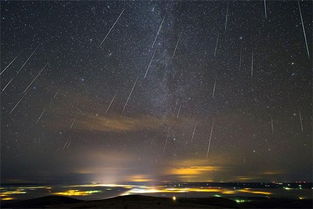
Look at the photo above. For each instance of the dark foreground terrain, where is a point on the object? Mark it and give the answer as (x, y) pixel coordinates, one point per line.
(145, 202)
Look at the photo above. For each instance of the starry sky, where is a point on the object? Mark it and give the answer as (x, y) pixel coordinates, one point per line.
(156, 91)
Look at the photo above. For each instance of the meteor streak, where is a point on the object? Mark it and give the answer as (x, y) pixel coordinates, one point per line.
(213, 90)
(72, 124)
(303, 29)
(240, 57)
(21, 68)
(40, 116)
(67, 144)
(112, 100)
(272, 124)
(216, 45)
(26, 90)
(210, 138)
(156, 36)
(176, 46)
(149, 65)
(301, 121)
(193, 132)
(252, 64)
(35, 78)
(8, 66)
(111, 28)
(177, 116)
(130, 94)
(226, 16)
(15, 106)
(7, 85)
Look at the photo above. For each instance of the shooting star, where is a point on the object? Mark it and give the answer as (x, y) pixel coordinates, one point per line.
(52, 99)
(252, 64)
(26, 90)
(156, 36)
(7, 85)
(8, 66)
(272, 124)
(80, 111)
(214, 87)
(166, 139)
(216, 45)
(130, 94)
(35, 78)
(303, 29)
(40, 116)
(210, 138)
(240, 58)
(15, 106)
(176, 104)
(301, 121)
(193, 132)
(72, 124)
(67, 144)
(149, 65)
(112, 100)
(265, 9)
(111, 28)
(176, 45)
(56, 93)
(21, 68)
(226, 16)
(178, 112)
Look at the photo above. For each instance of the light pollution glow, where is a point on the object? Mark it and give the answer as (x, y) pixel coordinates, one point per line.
(190, 170)
(162, 189)
(132, 190)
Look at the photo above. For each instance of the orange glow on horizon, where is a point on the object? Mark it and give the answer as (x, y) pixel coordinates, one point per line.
(246, 190)
(7, 198)
(140, 178)
(193, 170)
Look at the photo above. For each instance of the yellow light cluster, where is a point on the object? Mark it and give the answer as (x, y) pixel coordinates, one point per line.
(7, 198)
(145, 189)
(75, 192)
(6, 193)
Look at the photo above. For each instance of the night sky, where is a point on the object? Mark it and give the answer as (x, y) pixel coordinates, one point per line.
(151, 91)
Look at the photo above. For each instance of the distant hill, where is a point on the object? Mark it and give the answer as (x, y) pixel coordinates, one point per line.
(42, 202)
(147, 202)
(278, 203)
